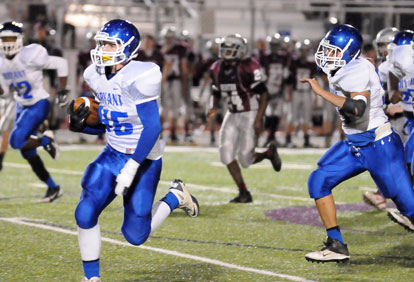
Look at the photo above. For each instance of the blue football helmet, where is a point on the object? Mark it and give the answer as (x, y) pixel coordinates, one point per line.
(341, 45)
(124, 35)
(404, 37)
(11, 29)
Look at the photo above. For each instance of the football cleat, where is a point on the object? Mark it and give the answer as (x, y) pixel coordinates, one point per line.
(52, 148)
(401, 219)
(334, 251)
(93, 279)
(187, 202)
(375, 199)
(275, 158)
(51, 195)
(243, 198)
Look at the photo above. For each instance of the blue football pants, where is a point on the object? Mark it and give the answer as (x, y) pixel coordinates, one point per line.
(28, 119)
(98, 185)
(384, 159)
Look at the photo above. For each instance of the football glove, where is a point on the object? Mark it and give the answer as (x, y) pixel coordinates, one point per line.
(62, 97)
(77, 118)
(126, 176)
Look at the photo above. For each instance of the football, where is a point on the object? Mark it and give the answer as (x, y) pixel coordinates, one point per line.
(93, 117)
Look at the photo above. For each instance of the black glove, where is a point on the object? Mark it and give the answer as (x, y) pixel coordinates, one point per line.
(77, 118)
(62, 97)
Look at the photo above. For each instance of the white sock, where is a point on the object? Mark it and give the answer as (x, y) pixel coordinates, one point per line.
(90, 242)
(160, 211)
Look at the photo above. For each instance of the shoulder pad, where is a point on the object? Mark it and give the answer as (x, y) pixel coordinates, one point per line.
(402, 60)
(146, 77)
(34, 55)
(354, 77)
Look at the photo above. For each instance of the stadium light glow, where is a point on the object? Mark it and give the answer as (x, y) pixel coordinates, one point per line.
(333, 20)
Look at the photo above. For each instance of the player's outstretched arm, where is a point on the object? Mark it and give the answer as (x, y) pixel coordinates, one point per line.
(317, 88)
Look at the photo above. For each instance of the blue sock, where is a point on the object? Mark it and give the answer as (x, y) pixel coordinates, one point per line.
(335, 233)
(51, 183)
(44, 141)
(91, 268)
(171, 200)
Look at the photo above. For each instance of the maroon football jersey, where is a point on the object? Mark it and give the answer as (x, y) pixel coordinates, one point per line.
(174, 56)
(301, 68)
(237, 83)
(275, 65)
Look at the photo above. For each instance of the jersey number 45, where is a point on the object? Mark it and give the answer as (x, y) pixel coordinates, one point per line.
(111, 120)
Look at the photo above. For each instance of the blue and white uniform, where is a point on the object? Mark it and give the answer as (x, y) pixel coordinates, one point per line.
(371, 144)
(397, 121)
(402, 66)
(24, 75)
(128, 109)
(136, 83)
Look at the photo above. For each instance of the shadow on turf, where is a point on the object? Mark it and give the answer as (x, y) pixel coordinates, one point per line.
(401, 255)
(178, 272)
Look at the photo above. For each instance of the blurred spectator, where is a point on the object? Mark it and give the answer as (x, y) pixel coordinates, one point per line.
(149, 52)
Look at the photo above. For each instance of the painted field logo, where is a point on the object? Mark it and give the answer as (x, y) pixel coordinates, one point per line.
(308, 215)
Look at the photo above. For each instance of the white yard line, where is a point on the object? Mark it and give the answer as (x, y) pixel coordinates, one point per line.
(232, 191)
(267, 165)
(190, 149)
(191, 185)
(163, 251)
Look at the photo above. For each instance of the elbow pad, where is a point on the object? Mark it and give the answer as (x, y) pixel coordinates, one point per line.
(356, 106)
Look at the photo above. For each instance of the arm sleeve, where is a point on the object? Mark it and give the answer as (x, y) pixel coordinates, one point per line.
(94, 130)
(149, 115)
(59, 64)
(260, 88)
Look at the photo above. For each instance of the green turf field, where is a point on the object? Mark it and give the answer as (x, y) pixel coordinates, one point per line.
(228, 242)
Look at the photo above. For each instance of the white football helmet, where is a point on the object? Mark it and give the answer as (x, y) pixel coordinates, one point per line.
(383, 38)
(233, 46)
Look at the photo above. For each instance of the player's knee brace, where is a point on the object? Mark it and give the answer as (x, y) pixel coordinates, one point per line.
(317, 187)
(85, 214)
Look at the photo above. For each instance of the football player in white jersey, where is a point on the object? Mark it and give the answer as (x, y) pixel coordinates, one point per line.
(21, 68)
(130, 165)
(381, 44)
(370, 145)
(401, 85)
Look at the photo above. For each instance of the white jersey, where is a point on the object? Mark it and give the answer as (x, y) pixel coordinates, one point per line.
(402, 63)
(136, 83)
(383, 70)
(24, 73)
(402, 66)
(358, 76)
